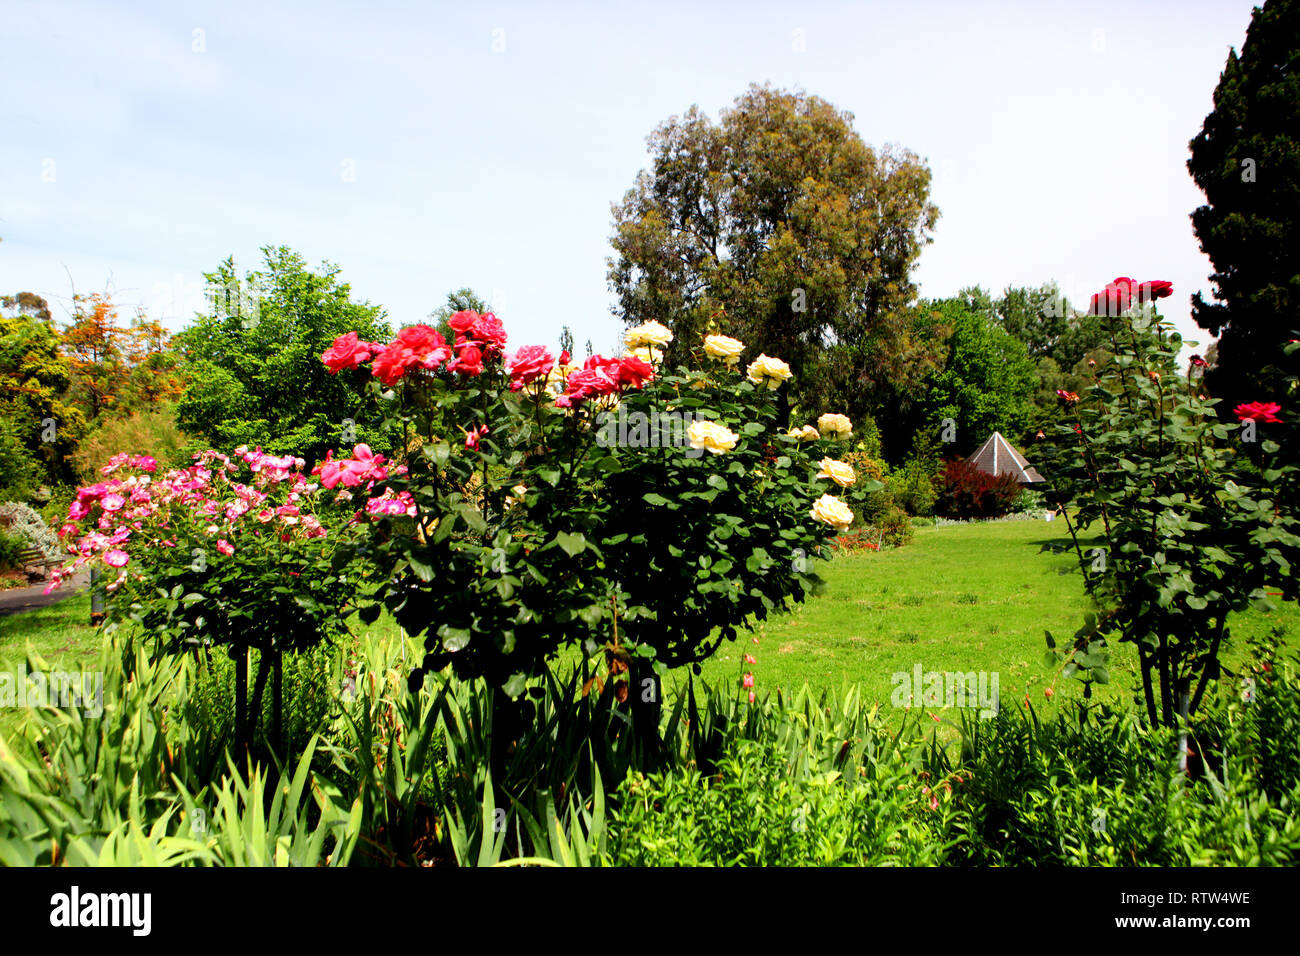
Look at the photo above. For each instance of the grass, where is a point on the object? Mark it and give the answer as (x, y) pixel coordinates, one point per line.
(974, 597)
(964, 598)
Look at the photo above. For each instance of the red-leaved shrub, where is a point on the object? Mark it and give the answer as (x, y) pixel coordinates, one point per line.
(967, 492)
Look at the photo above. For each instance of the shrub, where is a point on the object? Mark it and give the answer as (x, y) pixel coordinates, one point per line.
(11, 546)
(151, 432)
(913, 489)
(893, 528)
(27, 523)
(966, 492)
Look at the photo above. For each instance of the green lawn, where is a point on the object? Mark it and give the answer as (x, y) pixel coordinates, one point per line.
(963, 598)
(974, 597)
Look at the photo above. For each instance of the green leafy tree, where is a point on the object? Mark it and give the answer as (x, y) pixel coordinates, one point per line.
(986, 384)
(1043, 319)
(1246, 160)
(34, 379)
(780, 224)
(255, 374)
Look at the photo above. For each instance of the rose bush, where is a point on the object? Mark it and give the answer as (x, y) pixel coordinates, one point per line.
(1196, 514)
(533, 530)
(241, 552)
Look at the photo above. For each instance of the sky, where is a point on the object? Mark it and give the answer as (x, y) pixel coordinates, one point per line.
(423, 147)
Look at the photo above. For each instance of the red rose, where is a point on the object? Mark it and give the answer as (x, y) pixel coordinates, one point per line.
(426, 346)
(462, 322)
(391, 364)
(1259, 411)
(1199, 362)
(529, 363)
(1155, 289)
(468, 361)
(598, 376)
(1114, 299)
(485, 331)
(348, 352)
(490, 332)
(565, 357)
(632, 371)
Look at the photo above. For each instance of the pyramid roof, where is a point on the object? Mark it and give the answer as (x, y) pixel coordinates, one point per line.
(997, 457)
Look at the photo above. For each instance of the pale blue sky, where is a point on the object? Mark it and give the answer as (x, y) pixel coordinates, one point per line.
(487, 141)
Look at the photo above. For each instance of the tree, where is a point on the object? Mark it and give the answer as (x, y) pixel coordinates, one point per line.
(154, 376)
(986, 384)
(779, 226)
(1043, 319)
(256, 377)
(1246, 160)
(463, 299)
(93, 344)
(34, 380)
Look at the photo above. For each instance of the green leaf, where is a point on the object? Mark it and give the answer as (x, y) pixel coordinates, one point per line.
(453, 638)
(571, 543)
(515, 685)
(653, 498)
(421, 566)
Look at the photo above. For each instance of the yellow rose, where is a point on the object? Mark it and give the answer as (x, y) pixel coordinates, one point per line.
(516, 496)
(645, 353)
(723, 347)
(830, 510)
(712, 436)
(835, 426)
(840, 472)
(807, 433)
(648, 333)
(766, 369)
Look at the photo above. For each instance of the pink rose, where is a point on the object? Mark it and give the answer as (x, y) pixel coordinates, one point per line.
(225, 547)
(116, 558)
(528, 364)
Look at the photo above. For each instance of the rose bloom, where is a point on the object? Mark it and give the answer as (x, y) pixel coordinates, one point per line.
(1259, 411)
(806, 433)
(468, 360)
(712, 436)
(645, 353)
(648, 333)
(113, 502)
(225, 547)
(840, 472)
(833, 425)
(528, 364)
(769, 371)
(1114, 299)
(633, 371)
(723, 347)
(348, 352)
(830, 510)
(116, 558)
(1155, 289)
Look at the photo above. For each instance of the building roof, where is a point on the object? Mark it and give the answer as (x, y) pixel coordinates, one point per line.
(997, 457)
